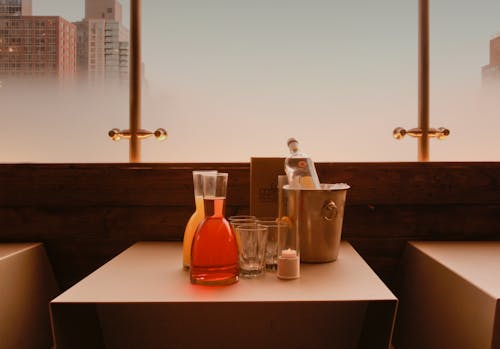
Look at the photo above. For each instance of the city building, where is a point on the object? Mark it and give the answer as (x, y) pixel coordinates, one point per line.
(103, 42)
(110, 10)
(15, 8)
(37, 47)
(491, 72)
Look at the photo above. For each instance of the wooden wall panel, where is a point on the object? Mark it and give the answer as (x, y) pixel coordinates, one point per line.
(111, 185)
(87, 213)
(434, 222)
(416, 183)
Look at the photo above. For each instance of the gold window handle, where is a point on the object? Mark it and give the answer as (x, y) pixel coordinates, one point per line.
(439, 133)
(117, 134)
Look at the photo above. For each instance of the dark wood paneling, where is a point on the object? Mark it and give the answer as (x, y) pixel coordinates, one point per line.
(416, 183)
(431, 221)
(87, 213)
(112, 185)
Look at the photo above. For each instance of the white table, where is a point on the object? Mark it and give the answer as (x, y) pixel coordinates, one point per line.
(143, 299)
(27, 284)
(450, 296)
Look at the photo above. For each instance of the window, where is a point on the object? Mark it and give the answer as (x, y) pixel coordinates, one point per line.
(461, 98)
(74, 113)
(230, 80)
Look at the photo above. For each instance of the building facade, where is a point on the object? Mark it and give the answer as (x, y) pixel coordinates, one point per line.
(90, 49)
(110, 10)
(15, 8)
(103, 42)
(491, 72)
(37, 47)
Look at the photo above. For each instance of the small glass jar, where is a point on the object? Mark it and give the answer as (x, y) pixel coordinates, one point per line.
(288, 254)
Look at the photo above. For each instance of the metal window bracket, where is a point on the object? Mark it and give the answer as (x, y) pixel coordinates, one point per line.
(135, 133)
(423, 132)
(116, 134)
(440, 133)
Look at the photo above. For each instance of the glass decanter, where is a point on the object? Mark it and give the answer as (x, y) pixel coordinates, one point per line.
(196, 217)
(214, 253)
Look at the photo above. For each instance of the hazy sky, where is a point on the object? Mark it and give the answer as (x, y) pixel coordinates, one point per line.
(338, 75)
(347, 26)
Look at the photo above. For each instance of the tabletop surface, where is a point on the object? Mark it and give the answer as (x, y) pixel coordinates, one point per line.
(476, 261)
(10, 249)
(152, 272)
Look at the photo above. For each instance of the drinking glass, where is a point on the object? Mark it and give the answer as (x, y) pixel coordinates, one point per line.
(237, 217)
(274, 228)
(239, 220)
(288, 254)
(253, 238)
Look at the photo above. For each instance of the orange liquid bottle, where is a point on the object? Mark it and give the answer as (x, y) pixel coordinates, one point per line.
(196, 217)
(214, 253)
(191, 227)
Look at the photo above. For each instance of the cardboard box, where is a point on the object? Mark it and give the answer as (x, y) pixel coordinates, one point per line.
(264, 174)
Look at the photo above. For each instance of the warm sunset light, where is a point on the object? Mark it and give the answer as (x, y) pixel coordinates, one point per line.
(306, 70)
(249, 174)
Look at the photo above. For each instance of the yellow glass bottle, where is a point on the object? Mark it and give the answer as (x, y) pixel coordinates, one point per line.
(196, 217)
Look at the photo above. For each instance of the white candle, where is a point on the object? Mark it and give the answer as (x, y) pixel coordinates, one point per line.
(289, 253)
(288, 264)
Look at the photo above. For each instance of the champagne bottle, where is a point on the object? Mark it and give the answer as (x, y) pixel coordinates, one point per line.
(300, 168)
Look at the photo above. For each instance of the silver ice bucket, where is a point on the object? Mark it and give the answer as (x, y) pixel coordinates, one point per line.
(317, 215)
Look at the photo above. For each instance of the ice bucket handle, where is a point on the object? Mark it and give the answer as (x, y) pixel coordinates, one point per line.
(329, 210)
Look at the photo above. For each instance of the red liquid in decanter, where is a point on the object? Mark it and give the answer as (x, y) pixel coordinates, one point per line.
(214, 253)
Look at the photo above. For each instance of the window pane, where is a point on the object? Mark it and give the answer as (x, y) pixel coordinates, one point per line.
(64, 81)
(234, 79)
(461, 99)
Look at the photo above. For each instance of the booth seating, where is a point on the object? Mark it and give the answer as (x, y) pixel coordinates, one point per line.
(27, 284)
(450, 296)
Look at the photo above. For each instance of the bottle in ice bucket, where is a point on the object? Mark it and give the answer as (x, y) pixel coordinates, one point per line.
(196, 217)
(214, 253)
(299, 168)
